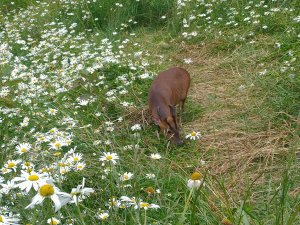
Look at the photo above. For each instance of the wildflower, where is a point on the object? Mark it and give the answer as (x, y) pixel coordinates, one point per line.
(129, 201)
(52, 112)
(103, 216)
(80, 166)
(76, 157)
(113, 203)
(150, 175)
(57, 144)
(48, 190)
(126, 176)
(193, 136)
(7, 187)
(110, 129)
(23, 148)
(110, 157)
(53, 221)
(5, 170)
(136, 127)
(12, 164)
(9, 220)
(150, 190)
(29, 180)
(188, 61)
(80, 192)
(195, 180)
(83, 102)
(262, 72)
(155, 156)
(145, 206)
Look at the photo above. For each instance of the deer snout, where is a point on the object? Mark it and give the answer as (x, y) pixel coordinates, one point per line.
(179, 142)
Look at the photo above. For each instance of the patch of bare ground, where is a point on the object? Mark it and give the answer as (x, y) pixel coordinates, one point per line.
(242, 148)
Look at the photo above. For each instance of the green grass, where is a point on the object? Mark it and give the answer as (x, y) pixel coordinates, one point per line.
(266, 192)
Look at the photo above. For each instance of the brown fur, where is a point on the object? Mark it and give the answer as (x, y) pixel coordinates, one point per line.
(168, 89)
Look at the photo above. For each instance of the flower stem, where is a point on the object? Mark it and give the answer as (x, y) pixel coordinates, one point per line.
(145, 219)
(80, 215)
(187, 203)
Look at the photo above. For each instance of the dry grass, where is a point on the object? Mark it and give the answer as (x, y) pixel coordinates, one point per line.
(243, 150)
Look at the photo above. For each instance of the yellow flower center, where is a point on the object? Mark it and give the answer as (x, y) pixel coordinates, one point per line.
(57, 145)
(109, 157)
(126, 177)
(144, 204)
(27, 163)
(193, 134)
(29, 170)
(196, 176)
(150, 190)
(62, 164)
(46, 190)
(11, 165)
(53, 222)
(79, 167)
(23, 150)
(1, 219)
(33, 177)
(57, 153)
(76, 159)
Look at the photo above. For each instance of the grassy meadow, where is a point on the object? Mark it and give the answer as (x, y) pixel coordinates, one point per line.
(77, 142)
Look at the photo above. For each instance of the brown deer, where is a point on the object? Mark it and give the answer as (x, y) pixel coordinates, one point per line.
(168, 89)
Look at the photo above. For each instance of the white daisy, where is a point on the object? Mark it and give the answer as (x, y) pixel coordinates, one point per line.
(48, 190)
(80, 166)
(53, 221)
(193, 136)
(83, 102)
(126, 176)
(80, 192)
(23, 148)
(195, 180)
(155, 156)
(136, 127)
(9, 220)
(57, 144)
(145, 206)
(103, 216)
(110, 157)
(52, 112)
(7, 187)
(29, 180)
(75, 158)
(12, 164)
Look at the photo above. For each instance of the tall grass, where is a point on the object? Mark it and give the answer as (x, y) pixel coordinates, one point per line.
(111, 81)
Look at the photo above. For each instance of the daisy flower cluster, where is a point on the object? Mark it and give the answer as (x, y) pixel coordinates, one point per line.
(45, 122)
(211, 16)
